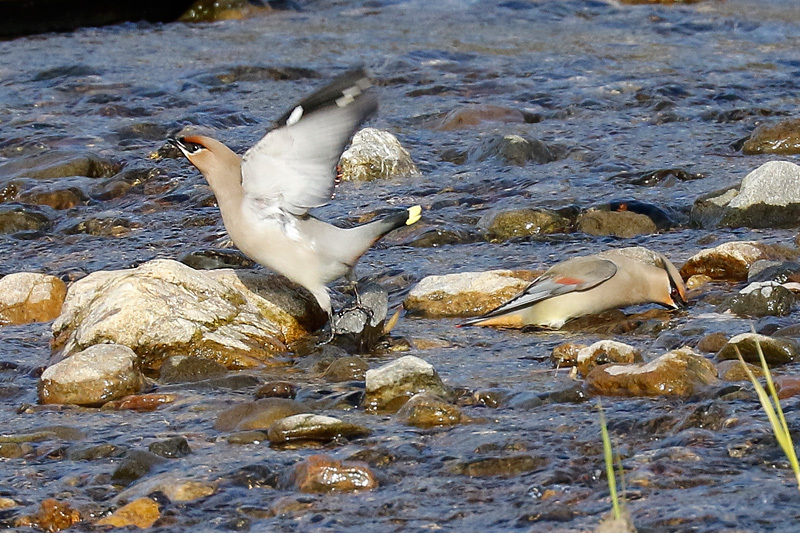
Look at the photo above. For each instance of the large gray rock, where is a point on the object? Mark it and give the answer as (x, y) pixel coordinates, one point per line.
(98, 374)
(375, 154)
(165, 308)
(768, 197)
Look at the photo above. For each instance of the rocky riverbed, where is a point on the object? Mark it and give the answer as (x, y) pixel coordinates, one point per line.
(151, 376)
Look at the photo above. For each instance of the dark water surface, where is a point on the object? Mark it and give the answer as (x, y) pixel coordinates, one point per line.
(623, 88)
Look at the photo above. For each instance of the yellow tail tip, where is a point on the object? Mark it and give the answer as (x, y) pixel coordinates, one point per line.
(414, 214)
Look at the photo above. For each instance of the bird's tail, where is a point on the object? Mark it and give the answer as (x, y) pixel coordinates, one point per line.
(381, 227)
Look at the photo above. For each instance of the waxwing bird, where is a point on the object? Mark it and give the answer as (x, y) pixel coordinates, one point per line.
(587, 285)
(264, 197)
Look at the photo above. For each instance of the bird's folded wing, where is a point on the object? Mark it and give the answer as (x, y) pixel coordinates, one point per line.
(578, 274)
(295, 165)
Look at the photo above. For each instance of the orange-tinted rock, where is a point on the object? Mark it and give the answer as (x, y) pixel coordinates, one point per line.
(29, 297)
(787, 386)
(680, 372)
(141, 402)
(322, 473)
(732, 370)
(604, 352)
(52, 516)
(712, 343)
(781, 138)
(566, 355)
(467, 117)
(426, 411)
(141, 513)
(729, 261)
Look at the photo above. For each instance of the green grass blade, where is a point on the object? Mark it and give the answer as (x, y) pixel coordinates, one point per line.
(609, 459)
(773, 411)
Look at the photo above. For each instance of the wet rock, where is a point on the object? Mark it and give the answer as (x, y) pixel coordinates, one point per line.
(185, 369)
(391, 385)
(14, 450)
(94, 452)
(260, 414)
(762, 299)
(427, 411)
(15, 218)
(255, 475)
(213, 10)
(712, 343)
(605, 352)
(515, 150)
(428, 236)
(141, 513)
(277, 389)
(217, 258)
(314, 427)
(173, 486)
(106, 224)
(625, 224)
(649, 178)
(100, 373)
(469, 116)
(359, 325)
(350, 368)
(768, 197)
(170, 448)
(787, 386)
(728, 261)
(54, 195)
(375, 154)
(29, 297)
(514, 223)
(500, 466)
(777, 351)
(781, 138)
(53, 515)
(136, 464)
(677, 373)
(140, 402)
(566, 355)
(697, 281)
(322, 473)
(165, 308)
(247, 437)
(57, 164)
(466, 293)
(731, 370)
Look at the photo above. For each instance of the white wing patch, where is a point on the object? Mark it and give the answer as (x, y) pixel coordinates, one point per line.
(295, 116)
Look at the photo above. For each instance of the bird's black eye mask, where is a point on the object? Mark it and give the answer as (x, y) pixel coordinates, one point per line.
(182, 144)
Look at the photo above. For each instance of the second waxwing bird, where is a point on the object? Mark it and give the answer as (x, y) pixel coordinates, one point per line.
(264, 197)
(587, 285)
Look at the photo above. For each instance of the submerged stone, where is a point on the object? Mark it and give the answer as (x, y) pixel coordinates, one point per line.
(427, 411)
(322, 473)
(513, 223)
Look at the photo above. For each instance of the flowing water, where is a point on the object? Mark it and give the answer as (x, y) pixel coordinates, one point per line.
(622, 88)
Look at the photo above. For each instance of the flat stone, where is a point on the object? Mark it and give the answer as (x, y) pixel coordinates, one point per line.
(101, 373)
(500, 466)
(314, 427)
(29, 297)
(465, 294)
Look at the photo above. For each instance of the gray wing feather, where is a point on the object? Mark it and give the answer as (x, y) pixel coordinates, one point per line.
(295, 165)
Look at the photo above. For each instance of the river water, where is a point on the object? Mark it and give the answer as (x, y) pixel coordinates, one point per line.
(622, 88)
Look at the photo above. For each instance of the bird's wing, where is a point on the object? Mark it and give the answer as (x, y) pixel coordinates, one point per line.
(579, 274)
(295, 164)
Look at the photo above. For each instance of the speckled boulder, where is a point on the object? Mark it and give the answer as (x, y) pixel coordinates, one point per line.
(513, 223)
(98, 374)
(165, 308)
(677, 373)
(29, 297)
(375, 154)
(777, 351)
(465, 294)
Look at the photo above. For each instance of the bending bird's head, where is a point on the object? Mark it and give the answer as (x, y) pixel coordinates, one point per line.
(676, 295)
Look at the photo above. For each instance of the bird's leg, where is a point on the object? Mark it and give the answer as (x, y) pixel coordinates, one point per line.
(358, 305)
